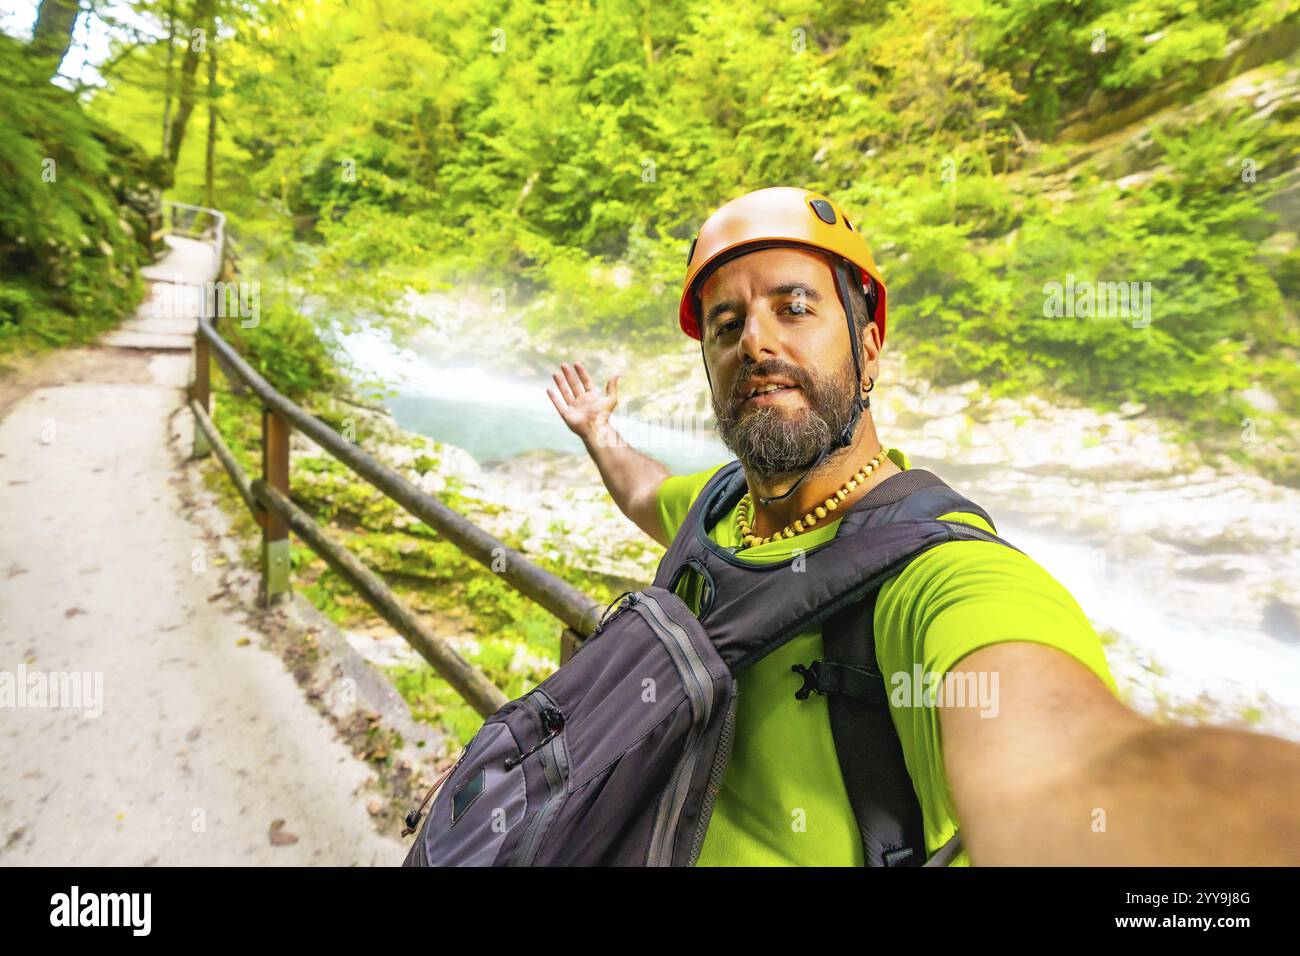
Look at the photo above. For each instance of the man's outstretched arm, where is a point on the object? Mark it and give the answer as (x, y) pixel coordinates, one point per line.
(1066, 774)
(632, 478)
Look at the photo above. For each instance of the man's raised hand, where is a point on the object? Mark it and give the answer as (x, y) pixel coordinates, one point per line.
(584, 409)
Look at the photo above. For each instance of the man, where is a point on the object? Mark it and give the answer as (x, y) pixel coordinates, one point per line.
(788, 305)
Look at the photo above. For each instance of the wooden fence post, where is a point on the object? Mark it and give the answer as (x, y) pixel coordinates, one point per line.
(201, 392)
(569, 644)
(275, 532)
(201, 383)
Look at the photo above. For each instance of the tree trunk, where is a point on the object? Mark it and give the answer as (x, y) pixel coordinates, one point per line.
(52, 35)
(209, 168)
(167, 82)
(203, 16)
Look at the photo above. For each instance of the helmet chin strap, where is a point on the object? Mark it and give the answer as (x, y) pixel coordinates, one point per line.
(844, 439)
(844, 275)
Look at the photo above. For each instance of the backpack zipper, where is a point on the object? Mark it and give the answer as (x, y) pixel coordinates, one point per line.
(611, 613)
(714, 785)
(552, 723)
(699, 687)
(555, 769)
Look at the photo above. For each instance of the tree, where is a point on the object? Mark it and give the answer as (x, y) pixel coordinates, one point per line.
(210, 160)
(52, 35)
(170, 76)
(204, 15)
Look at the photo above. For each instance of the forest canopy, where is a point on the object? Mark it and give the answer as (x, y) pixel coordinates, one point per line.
(567, 151)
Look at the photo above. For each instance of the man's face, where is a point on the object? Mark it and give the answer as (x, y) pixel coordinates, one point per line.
(777, 345)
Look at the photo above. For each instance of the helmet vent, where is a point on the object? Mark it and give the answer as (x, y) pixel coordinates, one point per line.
(825, 211)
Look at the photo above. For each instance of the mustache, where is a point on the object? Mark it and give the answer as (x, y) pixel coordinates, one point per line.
(773, 368)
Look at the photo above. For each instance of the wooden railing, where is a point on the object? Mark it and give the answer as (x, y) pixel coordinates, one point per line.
(269, 499)
(197, 222)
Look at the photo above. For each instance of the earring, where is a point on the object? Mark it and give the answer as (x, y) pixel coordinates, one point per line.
(866, 399)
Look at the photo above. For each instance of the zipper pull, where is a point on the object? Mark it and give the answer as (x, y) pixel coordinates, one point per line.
(624, 601)
(553, 723)
(413, 816)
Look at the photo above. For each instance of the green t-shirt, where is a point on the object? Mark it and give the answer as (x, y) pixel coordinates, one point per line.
(782, 801)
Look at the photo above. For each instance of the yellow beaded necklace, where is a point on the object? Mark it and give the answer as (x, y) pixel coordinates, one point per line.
(744, 511)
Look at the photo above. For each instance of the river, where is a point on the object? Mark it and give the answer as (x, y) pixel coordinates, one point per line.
(495, 416)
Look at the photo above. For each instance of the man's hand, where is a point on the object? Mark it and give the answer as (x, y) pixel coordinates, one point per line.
(633, 479)
(585, 410)
(1065, 774)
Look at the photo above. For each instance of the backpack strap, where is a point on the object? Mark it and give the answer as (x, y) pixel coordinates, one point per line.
(912, 495)
(867, 746)
(866, 743)
(718, 496)
(830, 677)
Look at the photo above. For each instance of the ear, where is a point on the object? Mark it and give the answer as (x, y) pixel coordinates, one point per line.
(870, 346)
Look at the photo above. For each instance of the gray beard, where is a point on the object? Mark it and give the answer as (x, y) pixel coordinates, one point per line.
(773, 442)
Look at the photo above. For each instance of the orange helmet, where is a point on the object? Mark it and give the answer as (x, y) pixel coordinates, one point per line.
(778, 216)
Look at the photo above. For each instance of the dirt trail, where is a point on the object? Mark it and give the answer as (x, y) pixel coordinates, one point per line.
(187, 744)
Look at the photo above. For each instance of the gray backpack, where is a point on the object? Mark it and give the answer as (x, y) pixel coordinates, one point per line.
(616, 758)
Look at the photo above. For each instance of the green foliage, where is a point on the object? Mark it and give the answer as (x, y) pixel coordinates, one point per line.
(566, 155)
(1218, 313)
(72, 200)
(1067, 56)
(286, 349)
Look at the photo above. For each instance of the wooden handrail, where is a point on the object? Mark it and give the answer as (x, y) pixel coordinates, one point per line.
(578, 611)
(468, 681)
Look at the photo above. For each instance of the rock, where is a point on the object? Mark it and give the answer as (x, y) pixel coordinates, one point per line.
(1263, 400)
(431, 482)
(945, 430)
(942, 404)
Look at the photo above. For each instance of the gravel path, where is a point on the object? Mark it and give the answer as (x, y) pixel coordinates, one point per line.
(178, 741)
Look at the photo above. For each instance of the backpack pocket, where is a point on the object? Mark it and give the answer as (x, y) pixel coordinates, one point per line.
(506, 786)
(647, 704)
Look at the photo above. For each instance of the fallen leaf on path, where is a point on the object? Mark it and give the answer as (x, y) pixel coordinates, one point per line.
(279, 835)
